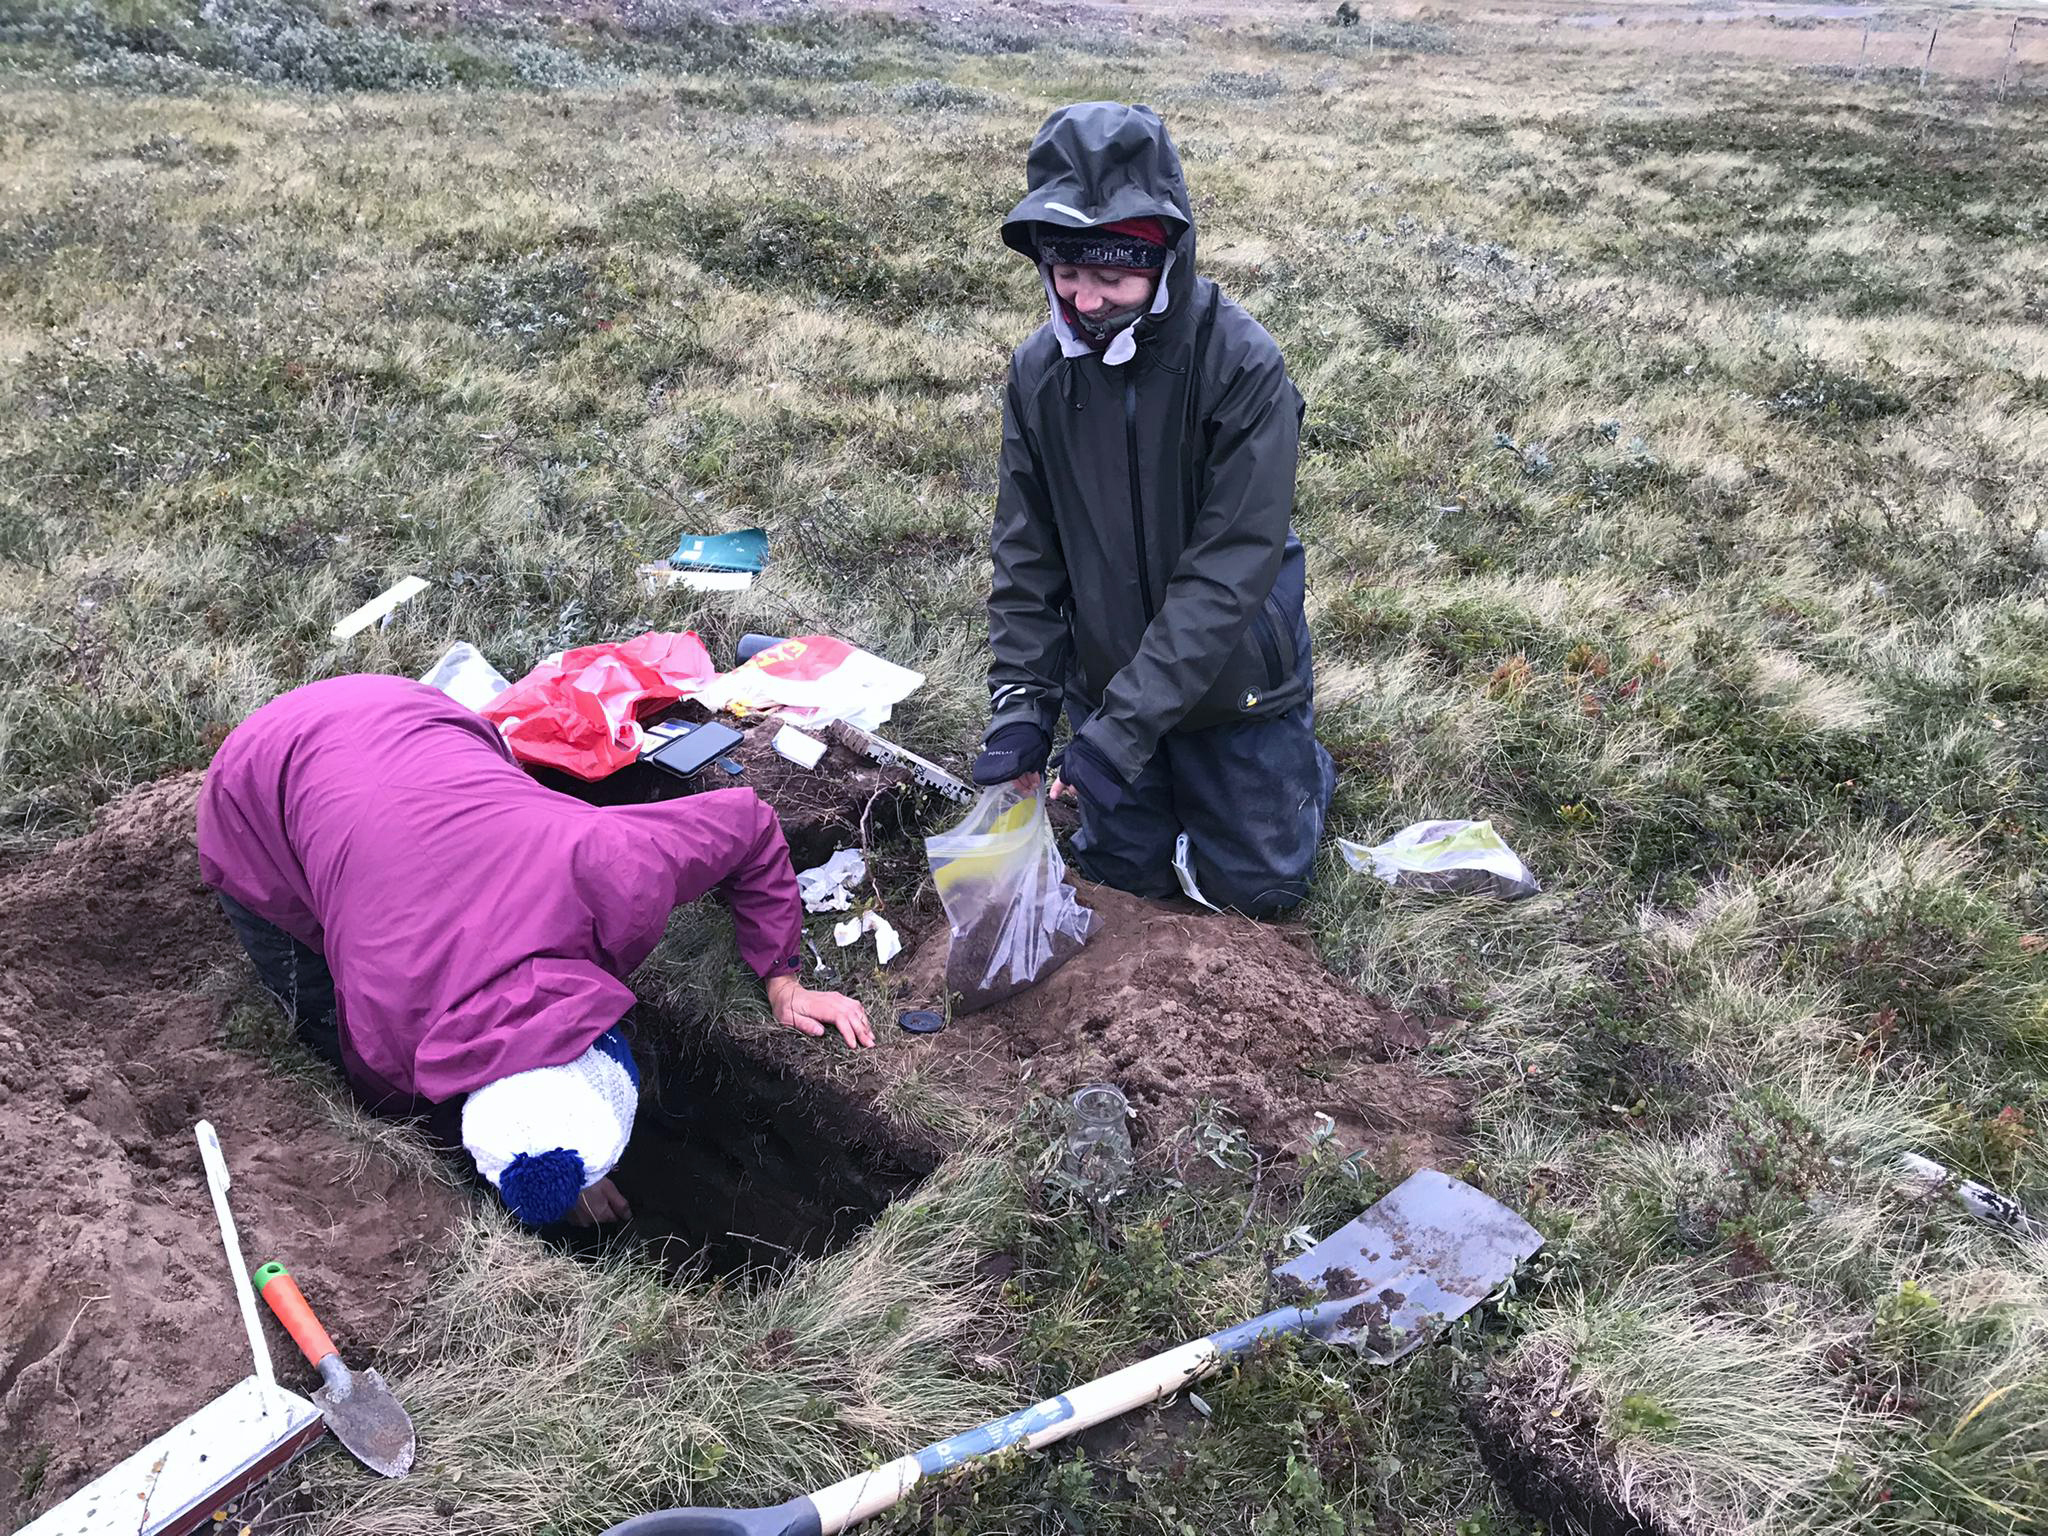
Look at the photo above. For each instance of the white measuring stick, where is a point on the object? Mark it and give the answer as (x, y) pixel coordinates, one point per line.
(217, 1182)
(1988, 1205)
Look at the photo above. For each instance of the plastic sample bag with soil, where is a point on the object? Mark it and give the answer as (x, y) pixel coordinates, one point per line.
(1014, 918)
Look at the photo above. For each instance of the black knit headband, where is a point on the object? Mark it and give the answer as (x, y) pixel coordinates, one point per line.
(1096, 248)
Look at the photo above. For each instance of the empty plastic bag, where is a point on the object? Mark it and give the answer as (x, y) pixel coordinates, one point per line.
(1467, 856)
(466, 676)
(1014, 918)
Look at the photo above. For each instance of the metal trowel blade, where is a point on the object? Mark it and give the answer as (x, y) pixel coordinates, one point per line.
(369, 1421)
(1415, 1262)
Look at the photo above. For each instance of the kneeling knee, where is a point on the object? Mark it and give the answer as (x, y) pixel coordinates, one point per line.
(1263, 895)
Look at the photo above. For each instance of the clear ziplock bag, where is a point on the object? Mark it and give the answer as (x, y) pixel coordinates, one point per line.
(1014, 918)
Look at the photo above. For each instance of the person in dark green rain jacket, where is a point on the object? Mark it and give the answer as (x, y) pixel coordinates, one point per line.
(1147, 578)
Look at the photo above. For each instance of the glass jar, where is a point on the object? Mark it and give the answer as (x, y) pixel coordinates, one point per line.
(1099, 1143)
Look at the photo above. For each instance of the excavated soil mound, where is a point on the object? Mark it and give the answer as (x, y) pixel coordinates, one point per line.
(117, 1316)
(1175, 1005)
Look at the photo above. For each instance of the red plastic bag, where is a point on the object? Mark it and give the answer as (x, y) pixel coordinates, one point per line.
(581, 712)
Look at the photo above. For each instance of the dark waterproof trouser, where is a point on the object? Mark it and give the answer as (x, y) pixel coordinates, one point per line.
(294, 974)
(297, 976)
(1251, 798)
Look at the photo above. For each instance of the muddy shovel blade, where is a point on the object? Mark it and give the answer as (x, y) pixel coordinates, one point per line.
(1418, 1260)
(366, 1418)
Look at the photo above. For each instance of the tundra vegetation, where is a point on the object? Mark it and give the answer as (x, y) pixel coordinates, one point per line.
(1675, 487)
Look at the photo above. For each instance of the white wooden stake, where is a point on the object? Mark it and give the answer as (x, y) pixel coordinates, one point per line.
(217, 1183)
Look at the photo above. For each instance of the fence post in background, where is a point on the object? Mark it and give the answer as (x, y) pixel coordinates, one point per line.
(1863, 53)
(2012, 48)
(1930, 55)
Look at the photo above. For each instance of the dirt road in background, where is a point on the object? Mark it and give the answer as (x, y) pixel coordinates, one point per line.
(1990, 43)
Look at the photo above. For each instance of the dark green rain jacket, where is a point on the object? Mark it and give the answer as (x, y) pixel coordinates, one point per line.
(1142, 512)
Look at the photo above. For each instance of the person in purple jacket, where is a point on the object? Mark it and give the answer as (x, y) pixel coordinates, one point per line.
(443, 929)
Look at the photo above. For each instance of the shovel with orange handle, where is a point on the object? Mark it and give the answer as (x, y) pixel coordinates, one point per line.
(357, 1405)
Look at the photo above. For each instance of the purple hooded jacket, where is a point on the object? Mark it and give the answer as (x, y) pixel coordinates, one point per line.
(476, 923)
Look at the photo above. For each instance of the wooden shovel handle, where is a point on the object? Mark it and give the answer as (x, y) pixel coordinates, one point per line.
(869, 1493)
(294, 1311)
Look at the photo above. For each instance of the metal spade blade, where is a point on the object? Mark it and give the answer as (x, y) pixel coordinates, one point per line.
(364, 1416)
(1419, 1259)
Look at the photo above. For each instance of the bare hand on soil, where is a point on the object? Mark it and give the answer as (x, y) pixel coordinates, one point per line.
(600, 1205)
(808, 1012)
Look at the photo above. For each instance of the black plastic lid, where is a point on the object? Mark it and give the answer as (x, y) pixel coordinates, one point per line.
(921, 1021)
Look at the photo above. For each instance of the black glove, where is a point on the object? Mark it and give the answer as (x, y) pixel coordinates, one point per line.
(1097, 783)
(1012, 751)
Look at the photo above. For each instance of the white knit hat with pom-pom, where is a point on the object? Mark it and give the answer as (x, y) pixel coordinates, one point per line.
(544, 1136)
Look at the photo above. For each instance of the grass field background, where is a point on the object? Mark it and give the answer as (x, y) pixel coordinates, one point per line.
(1675, 486)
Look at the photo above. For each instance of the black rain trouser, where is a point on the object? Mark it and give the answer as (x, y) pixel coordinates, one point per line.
(293, 973)
(1252, 799)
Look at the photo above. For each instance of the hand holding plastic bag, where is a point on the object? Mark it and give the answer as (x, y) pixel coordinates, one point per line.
(1015, 920)
(581, 711)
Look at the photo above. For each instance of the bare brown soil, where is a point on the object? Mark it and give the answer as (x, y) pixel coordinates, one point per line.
(117, 1314)
(1177, 1006)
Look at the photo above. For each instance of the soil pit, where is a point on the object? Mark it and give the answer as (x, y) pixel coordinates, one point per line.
(1541, 1442)
(736, 1168)
(117, 1314)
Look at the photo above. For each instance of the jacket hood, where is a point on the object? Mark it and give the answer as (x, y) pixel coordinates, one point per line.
(1100, 162)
